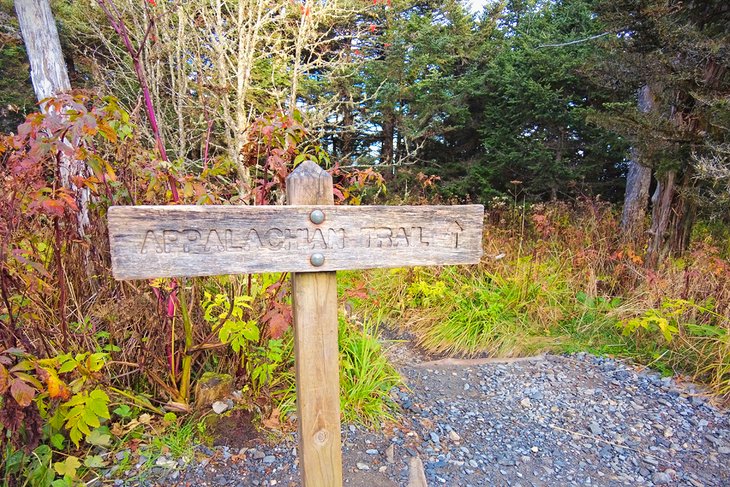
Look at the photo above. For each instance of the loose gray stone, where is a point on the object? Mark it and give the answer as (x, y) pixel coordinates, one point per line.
(507, 462)
(165, 462)
(219, 407)
(390, 453)
(661, 478)
(416, 475)
(651, 460)
(553, 441)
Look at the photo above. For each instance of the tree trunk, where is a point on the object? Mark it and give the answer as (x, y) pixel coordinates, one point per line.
(636, 198)
(347, 138)
(683, 215)
(386, 151)
(50, 77)
(638, 181)
(660, 217)
(47, 67)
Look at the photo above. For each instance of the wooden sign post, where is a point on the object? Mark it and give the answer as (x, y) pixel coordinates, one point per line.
(312, 238)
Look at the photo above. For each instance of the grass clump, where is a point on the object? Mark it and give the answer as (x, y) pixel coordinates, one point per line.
(366, 377)
(488, 313)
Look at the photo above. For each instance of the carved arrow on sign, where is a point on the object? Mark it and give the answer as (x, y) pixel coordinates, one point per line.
(455, 230)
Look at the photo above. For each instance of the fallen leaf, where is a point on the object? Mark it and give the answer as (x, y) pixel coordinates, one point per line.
(272, 422)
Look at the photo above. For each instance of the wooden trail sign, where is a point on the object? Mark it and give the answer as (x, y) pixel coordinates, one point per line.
(168, 241)
(312, 238)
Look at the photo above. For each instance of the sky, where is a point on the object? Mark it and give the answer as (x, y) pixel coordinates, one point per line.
(477, 5)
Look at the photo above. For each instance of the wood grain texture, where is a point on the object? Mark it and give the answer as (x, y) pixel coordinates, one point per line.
(314, 303)
(169, 241)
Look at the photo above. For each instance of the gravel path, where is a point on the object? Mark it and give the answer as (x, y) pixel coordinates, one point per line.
(554, 420)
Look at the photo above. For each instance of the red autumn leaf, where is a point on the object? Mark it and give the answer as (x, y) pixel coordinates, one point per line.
(361, 292)
(278, 319)
(42, 373)
(69, 200)
(338, 194)
(22, 393)
(272, 288)
(53, 207)
(278, 325)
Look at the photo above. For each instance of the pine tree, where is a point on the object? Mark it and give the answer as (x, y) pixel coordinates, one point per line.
(678, 53)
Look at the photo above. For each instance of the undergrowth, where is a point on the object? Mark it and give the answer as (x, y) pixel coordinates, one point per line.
(558, 278)
(87, 362)
(89, 366)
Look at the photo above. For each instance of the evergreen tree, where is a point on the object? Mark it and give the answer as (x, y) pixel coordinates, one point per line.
(534, 123)
(482, 103)
(679, 53)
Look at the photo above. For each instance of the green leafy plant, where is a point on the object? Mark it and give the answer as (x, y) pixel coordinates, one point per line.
(424, 293)
(268, 359)
(40, 470)
(230, 320)
(67, 469)
(83, 413)
(666, 320)
(239, 334)
(652, 320)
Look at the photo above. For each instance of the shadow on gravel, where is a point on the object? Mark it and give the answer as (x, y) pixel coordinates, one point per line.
(235, 431)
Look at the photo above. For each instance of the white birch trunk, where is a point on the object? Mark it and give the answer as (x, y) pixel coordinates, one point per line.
(50, 77)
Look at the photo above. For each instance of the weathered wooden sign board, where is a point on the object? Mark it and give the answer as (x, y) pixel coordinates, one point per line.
(311, 238)
(168, 241)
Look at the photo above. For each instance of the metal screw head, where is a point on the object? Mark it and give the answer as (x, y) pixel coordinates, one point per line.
(317, 259)
(317, 216)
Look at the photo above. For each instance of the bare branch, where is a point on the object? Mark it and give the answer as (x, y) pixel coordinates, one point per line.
(577, 41)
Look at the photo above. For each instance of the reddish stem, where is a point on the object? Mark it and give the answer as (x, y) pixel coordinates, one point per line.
(61, 282)
(207, 145)
(117, 23)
